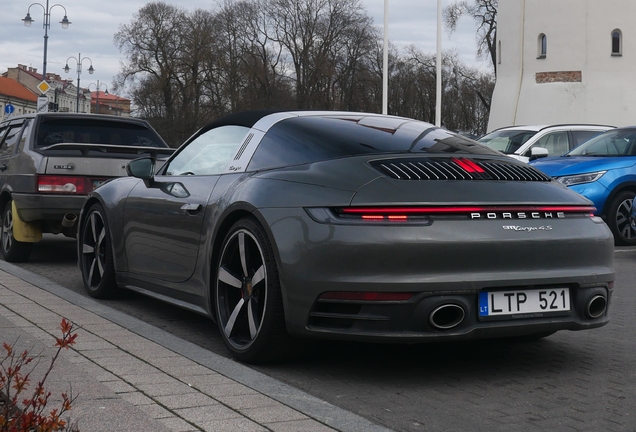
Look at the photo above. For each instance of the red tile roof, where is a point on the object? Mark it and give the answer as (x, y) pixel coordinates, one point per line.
(107, 96)
(12, 88)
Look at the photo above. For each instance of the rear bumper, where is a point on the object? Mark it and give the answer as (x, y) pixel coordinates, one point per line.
(50, 208)
(447, 261)
(411, 321)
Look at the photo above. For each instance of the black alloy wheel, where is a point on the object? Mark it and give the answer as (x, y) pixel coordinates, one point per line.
(12, 250)
(618, 219)
(96, 256)
(248, 300)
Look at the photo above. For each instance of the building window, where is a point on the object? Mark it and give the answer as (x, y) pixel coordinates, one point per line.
(617, 42)
(542, 46)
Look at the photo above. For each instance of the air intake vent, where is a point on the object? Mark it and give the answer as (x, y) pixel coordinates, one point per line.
(244, 146)
(457, 169)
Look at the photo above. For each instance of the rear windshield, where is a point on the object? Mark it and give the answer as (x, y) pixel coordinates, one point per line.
(302, 140)
(95, 131)
(507, 141)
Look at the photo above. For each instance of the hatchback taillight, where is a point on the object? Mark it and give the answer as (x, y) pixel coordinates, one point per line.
(64, 185)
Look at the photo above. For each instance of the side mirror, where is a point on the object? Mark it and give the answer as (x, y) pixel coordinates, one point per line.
(538, 152)
(142, 168)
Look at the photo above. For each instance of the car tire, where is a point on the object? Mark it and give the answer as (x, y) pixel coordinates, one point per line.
(12, 250)
(618, 219)
(247, 296)
(96, 255)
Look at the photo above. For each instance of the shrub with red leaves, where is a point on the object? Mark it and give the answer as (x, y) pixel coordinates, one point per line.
(22, 412)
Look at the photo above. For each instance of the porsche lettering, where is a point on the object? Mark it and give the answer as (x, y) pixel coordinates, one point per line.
(518, 215)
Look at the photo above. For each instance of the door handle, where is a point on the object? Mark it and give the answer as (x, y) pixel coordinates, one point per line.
(191, 208)
(3, 167)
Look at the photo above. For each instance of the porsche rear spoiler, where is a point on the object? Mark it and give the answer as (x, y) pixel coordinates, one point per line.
(109, 148)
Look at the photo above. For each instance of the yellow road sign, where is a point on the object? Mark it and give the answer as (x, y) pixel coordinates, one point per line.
(43, 87)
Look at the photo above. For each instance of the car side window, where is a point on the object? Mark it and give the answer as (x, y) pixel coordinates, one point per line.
(581, 136)
(610, 146)
(209, 153)
(10, 140)
(556, 143)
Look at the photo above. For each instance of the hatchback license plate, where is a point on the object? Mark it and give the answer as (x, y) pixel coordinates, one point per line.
(498, 303)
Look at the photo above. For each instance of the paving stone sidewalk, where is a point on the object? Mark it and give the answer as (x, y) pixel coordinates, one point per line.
(131, 376)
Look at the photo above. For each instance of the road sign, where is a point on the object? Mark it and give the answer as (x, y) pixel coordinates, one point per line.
(9, 109)
(43, 87)
(43, 104)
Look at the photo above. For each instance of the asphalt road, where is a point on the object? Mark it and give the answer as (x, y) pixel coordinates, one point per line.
(571, 381)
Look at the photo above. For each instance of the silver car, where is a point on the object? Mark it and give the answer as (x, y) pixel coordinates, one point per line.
(50, 162)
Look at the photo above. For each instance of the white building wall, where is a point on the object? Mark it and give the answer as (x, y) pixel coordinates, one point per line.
(578, 42)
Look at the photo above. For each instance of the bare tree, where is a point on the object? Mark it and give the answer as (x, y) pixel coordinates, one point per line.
(193, 74)
(153, 44)
(183, 69)
(484, 12)
(310, 31)
(469, 93)
(266, 73)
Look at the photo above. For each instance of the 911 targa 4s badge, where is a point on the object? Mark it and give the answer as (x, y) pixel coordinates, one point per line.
(351, 226)
(528, 228)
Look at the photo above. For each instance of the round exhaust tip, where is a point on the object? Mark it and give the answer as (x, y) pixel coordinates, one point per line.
(447, 316)
(69, 220)
(596, 306)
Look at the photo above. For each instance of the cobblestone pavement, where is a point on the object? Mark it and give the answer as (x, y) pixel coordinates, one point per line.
(571, 381)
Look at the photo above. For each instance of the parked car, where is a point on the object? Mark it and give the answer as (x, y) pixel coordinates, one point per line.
(348, 226)
(49, 162)
(602, 169)
(520, 142)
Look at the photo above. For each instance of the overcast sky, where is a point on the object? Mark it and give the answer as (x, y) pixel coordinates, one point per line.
(95, 22)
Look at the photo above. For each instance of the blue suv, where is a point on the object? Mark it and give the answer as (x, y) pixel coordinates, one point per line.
(603, 170)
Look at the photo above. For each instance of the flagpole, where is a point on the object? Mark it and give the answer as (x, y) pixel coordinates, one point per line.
(438, 93)
(385, 60)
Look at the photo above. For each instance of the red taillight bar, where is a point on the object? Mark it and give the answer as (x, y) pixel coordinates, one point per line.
(463, 209)
(366, 296)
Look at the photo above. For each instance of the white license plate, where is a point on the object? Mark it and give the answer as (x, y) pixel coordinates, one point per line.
(497, 303)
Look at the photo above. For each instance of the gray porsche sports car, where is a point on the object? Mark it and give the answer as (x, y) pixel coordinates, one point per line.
(286, 225)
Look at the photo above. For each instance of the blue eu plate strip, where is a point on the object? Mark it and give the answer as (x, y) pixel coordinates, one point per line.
(483, 304)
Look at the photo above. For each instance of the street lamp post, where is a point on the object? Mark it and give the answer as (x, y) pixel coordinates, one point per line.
(79, 61)
(47, 24)
(97, 86)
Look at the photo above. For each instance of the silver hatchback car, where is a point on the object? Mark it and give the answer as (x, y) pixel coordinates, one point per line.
(49, 162)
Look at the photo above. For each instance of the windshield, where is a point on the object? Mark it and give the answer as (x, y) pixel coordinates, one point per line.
(506, 141)
(611, 143)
